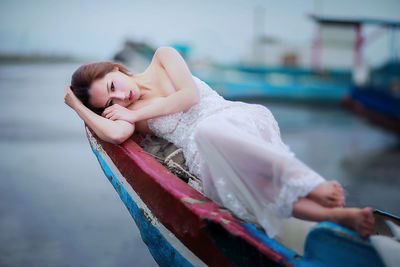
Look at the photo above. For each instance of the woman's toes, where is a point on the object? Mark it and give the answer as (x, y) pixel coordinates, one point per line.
(367, 212)
(336, 184)
(342, 201)
(368, 221)
(329, 194)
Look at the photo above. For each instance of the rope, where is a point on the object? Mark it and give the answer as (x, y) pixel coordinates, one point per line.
(172, 164)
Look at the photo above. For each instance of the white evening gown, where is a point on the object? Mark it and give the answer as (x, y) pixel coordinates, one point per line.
(236, 150)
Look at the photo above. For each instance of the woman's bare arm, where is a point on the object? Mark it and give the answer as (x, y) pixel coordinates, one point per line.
(185, 97)
(115, 132)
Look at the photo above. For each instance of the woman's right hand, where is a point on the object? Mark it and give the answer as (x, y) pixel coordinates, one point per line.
(69, 98)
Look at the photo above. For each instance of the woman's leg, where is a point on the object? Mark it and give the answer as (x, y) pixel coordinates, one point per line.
(360, 220)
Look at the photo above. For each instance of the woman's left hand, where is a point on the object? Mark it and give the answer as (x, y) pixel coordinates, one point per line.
(117, 112)
(69, 97)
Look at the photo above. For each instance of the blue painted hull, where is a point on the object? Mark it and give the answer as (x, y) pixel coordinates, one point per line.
(163, 252)
(378, 106)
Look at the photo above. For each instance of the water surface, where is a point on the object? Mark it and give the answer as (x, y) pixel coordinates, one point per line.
(56, 206)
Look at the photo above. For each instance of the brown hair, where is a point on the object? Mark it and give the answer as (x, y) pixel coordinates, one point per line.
(86, 74)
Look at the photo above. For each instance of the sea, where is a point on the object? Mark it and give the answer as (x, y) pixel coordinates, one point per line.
(58, 209)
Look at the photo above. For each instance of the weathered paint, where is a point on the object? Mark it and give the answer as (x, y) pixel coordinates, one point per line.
(191, 200)
(329, 244)
(290, 256)
(163, 192)
(163, 252)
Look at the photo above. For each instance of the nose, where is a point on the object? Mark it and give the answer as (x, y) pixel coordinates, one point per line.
(118, 95)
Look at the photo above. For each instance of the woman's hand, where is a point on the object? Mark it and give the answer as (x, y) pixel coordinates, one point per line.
(69, 98)
(117, 112)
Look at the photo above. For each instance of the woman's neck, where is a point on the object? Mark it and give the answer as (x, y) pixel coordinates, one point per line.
(141, 81)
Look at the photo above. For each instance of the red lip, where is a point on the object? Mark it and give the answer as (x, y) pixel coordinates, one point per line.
(130, 95)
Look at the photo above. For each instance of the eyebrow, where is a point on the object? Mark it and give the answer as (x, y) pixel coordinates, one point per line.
(108, 91)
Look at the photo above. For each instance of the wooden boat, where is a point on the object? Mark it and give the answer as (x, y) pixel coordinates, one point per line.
(181, 227)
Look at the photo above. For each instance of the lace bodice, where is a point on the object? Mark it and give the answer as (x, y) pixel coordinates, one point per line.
(171, 126)
(179, 128)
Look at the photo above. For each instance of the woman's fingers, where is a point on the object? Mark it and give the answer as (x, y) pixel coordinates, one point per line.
(112, 109)
(114, 117)
(107, 111)
(109, 115)
(69, 96)
(66, 92)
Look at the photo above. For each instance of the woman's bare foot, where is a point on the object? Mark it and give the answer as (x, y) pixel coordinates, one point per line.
(329, 194)
(360, 220)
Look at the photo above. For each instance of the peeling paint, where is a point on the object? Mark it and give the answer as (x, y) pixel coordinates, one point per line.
(192, 200)
(157, 244)
(225, 221)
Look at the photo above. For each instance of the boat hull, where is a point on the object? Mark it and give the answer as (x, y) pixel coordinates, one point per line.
(181, 227)
(377, 106)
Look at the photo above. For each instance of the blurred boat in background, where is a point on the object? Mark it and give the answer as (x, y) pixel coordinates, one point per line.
(278, 83)
(137, 55)
(244, 81)
(379, 100)
(373, 94)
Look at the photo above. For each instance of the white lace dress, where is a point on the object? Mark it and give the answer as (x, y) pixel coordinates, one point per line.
(236, 150)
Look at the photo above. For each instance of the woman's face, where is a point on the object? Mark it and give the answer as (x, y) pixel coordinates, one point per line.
(114, 88)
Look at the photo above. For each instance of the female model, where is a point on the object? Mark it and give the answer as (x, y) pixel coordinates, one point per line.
(233, 147)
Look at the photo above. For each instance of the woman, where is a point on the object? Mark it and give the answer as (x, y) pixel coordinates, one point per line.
(234, 147)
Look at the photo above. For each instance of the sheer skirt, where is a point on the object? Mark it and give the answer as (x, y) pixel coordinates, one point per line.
(245, 166)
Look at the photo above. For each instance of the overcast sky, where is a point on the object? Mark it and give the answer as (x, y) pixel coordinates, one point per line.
(221, 29)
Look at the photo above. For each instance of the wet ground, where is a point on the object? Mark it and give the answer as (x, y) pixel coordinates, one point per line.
(56, 206)
(58, 209)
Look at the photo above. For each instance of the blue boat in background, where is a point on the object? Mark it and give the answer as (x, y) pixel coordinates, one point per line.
(372, 94)
(283, 82)
(379, 100)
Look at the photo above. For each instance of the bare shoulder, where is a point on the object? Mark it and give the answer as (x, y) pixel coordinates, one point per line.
(169, 57)
(176, 68)
(166, 52)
